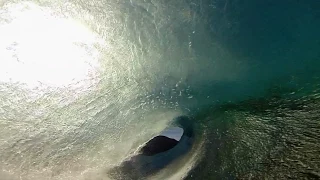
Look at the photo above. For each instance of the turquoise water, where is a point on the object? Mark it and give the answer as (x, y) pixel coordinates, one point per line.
(83, 84)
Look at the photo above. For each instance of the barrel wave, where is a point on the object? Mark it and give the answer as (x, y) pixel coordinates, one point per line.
(85, 84)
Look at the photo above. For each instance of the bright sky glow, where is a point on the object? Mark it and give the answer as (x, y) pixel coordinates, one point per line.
(173, 133)
(37, 46)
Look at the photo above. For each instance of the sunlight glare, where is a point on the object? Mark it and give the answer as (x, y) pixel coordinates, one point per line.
(38, 46)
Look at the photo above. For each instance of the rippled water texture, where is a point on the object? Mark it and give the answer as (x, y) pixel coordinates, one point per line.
(84, 83)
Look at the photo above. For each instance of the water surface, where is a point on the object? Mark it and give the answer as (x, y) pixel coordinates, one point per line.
(84, 83)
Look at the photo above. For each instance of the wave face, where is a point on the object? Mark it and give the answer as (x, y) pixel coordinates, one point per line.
(84, 83)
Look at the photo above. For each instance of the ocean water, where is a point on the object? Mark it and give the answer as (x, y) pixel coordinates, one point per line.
(84, 83)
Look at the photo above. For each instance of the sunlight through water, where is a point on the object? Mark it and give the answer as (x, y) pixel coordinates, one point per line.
(85, 84)
(39, 46)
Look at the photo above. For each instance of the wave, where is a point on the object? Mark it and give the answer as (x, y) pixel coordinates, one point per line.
(103, 77)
